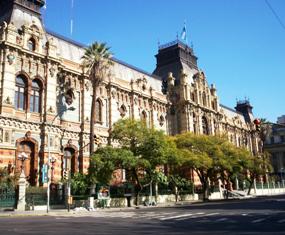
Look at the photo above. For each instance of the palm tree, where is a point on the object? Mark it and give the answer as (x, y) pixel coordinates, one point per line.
(97, 61)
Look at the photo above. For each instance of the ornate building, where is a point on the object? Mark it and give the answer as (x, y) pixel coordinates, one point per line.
(41, 78)
(275, 144)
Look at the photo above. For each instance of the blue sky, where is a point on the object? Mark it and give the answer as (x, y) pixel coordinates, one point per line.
(240, 43)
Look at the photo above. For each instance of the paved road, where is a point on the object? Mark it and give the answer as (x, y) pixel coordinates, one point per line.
(254, 216)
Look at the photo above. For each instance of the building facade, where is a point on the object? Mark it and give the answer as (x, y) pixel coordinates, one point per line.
(42, 77)
(275, 144)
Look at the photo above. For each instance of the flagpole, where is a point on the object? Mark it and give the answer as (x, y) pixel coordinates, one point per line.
(71, 16)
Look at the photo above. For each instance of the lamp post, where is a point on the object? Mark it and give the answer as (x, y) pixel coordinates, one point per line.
(49, 157)
(53, 160)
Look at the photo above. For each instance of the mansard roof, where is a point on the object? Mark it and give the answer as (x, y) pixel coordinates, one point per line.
(231, 113)
(73, 51)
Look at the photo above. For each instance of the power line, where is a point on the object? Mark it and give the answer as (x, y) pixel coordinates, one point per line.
(275, 14)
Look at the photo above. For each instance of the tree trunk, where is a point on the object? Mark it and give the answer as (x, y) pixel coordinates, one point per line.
(205, 191)
(92, 119)
(137, 197)
(250, 186)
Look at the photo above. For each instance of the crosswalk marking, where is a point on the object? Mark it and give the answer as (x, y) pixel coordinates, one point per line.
(195, 216)
(176, 217)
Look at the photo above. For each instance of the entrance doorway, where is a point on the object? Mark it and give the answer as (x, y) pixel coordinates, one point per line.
(70, 161)
(30, 165)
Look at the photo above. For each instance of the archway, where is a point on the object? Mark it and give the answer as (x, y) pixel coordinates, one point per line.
(28, 146)
(70, 159)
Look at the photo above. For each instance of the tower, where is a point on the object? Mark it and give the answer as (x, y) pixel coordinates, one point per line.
(10, 8)
(174, 57)
(245, 108)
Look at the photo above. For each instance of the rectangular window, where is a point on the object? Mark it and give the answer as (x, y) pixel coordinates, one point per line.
(16, 100)
(37, 104)
(21, 100)
(32, 103)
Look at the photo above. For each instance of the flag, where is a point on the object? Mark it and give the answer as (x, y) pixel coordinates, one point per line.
(45, 5)
(183, 34)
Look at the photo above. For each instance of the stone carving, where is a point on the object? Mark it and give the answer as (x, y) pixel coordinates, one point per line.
(52, 71)
(11, 58)
(28, 135)
(113, 93)
(8, 100)
(51, 110)
(87, 85)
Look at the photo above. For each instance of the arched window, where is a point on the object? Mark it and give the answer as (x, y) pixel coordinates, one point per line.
(35, 99)
(205, 127)
(161, 120)
(32, 44)
(98, 111)
(20, 93)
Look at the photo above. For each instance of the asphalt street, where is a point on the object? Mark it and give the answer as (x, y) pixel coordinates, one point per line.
(251, 216)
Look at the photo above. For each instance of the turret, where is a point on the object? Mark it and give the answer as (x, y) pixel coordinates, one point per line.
(244, 107)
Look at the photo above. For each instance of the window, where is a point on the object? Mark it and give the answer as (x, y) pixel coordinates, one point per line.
(205, 126)
(123, 111)
(144, 117)
(98, 111)
(35, 99)
(194, 124)
(32, 44)
(20, 93)
(161, 120)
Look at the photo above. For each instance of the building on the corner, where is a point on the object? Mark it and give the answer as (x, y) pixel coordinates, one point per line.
(275, 144)
(41, 77)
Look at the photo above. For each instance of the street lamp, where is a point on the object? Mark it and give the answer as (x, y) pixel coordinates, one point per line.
(49, 157)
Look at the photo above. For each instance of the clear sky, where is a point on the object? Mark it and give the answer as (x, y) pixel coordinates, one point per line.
(240, 43)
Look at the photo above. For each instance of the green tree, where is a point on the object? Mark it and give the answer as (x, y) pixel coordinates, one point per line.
(178, 183)
(97, 61)
(232, 162)
(256, 166)
(203, 153)
(151, 148)
(79, 184)
(7, 180)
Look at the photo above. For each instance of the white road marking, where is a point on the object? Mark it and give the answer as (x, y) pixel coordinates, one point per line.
(198, 215)
(281, 221)
(215, 213)
(258, 220)
(221, 219)
(176, 217)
